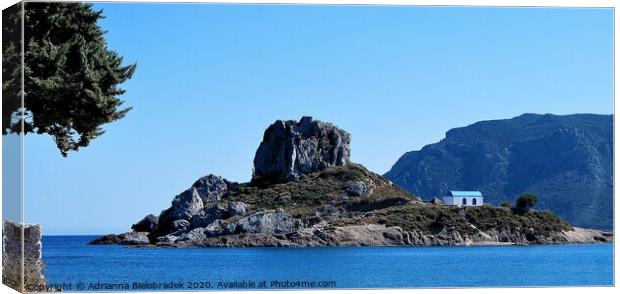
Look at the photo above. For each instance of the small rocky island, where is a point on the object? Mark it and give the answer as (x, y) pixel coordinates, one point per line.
(305, 192)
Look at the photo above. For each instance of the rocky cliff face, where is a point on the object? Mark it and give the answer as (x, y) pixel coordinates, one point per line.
(290, 149)
(565, 160)
(305, 192)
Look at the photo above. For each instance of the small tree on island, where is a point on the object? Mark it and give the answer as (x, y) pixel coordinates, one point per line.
(525, 202)
(70, 77)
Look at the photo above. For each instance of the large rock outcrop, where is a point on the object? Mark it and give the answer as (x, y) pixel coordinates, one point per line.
(566, 160)
(203, 193)
(290, 149)
(208, 215)
(197, 207)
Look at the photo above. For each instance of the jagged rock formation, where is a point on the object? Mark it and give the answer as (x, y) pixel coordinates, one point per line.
(193, 206)
(290, 149)
(305, 192)
(12, 240)
(566, 160)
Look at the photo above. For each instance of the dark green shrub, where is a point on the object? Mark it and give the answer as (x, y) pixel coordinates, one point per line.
(343, 174)
(506, 204)
(525, 202)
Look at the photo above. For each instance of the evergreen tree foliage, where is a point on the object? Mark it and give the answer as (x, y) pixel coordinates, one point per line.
(71, 79)
(525, 202)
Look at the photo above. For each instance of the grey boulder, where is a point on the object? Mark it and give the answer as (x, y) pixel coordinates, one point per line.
(147, 224)
(356, 188)
(237, 208)
(183, 206)
(180, 225)
(218, 228)
(267, 223)
(285, 199)
(211, 188)
(167, 239)
(208, 215)
(214, 229)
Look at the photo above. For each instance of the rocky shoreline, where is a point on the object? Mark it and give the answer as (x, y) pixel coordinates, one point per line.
(305, 192)
(364, 235)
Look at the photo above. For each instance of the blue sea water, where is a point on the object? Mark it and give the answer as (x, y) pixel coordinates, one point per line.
(70, 261)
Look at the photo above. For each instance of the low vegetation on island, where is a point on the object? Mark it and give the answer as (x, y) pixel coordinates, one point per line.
(306, 192)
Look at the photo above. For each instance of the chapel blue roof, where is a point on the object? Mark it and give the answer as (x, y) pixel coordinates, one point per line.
(465, 194)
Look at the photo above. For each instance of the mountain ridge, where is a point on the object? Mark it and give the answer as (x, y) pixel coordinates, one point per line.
(557, 157)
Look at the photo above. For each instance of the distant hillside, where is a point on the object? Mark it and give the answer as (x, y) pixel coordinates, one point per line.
(564, 159)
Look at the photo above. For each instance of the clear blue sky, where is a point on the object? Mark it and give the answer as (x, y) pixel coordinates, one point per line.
(211, 78)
